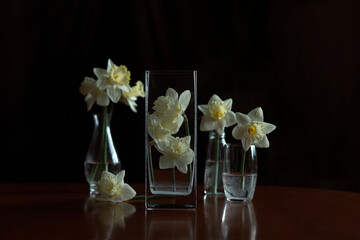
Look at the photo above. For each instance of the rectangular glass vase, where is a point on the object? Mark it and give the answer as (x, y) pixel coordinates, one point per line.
(170, 139)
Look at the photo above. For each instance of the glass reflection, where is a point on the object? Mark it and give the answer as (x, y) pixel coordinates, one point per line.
(213, 210)
(170, 224)
(239, 219)
(105, 217)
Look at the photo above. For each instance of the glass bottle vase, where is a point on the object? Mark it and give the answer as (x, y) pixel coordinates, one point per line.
(213, 184)
(170, 139)
(101, 155)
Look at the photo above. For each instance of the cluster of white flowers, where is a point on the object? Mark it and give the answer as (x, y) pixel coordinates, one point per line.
(250, 129)
(166, 121)
(112, 83)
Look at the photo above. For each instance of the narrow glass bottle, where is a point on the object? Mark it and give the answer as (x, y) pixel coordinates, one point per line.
(213, 184)
(101, 155)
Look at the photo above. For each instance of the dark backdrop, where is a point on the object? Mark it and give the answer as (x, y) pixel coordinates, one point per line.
(298, 60)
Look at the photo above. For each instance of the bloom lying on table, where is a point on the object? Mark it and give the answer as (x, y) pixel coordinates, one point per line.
(113, 188)
(111, 87)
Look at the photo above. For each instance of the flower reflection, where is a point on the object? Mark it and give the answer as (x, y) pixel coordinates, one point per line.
(170, 225)
(106, 216)
(239, 219)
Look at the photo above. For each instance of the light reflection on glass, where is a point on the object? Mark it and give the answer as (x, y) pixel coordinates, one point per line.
(213, 209)
(105, 217)
(170, 224)
(239, 219)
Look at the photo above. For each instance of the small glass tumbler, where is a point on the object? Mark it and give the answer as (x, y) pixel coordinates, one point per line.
(239, 172)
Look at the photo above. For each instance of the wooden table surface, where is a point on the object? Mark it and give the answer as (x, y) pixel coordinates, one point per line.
(64, 211)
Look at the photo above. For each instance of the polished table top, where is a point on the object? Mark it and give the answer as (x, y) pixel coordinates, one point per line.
(64, 211)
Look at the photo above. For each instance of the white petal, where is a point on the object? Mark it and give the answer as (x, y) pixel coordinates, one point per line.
(220, 126)
(264, 143)
(188, 157)
(230, 119)
(173, 94)
(228, 104)
(256, 114)
(182, 167)
(120, 177)
(242, 119)
(246, 142)
(100, 73)
(107, 175)
(126, 192)
(103, 99)
(207, 124)
(184, 99)
(90, 100)
(268, 127)
(237, 133)
(204, 109)
(114, 94)
(166, 162)
(215, 98)
(187, 140)
(125, 88)
(110, 65)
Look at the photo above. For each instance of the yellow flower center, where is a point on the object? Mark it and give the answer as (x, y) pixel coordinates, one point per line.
(120, 75)
(218, 110)
(252, 130)
(113, 191)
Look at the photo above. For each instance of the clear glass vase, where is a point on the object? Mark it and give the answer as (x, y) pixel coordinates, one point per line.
(213, 184)
(170, 139)
(239, 172)
(101, 155)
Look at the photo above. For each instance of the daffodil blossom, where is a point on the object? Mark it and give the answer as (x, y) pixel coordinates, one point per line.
(176, 153)
(217, 115)
(115, 80)
(252, 129)
(112, 187)
(159, 130)
(167, 117)
(90, 89)
(171, 107)
(129, 98)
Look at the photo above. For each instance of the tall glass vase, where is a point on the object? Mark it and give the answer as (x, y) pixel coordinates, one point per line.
(170, 139)
(101, 155)
(213, 184)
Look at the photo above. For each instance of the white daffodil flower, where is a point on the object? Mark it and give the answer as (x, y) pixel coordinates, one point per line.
(176, 153)
(90, 89)
(217, 115)
(112, 188)
(115, 80)
(252, 129)
(171, 107)
(167, 118)
(159, 130)
(129, 98)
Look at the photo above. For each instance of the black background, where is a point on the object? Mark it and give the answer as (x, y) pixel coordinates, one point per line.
(298, 60)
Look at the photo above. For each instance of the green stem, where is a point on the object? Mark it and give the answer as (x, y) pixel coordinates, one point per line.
(187, 133)
(216, 177)
(242, 171)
